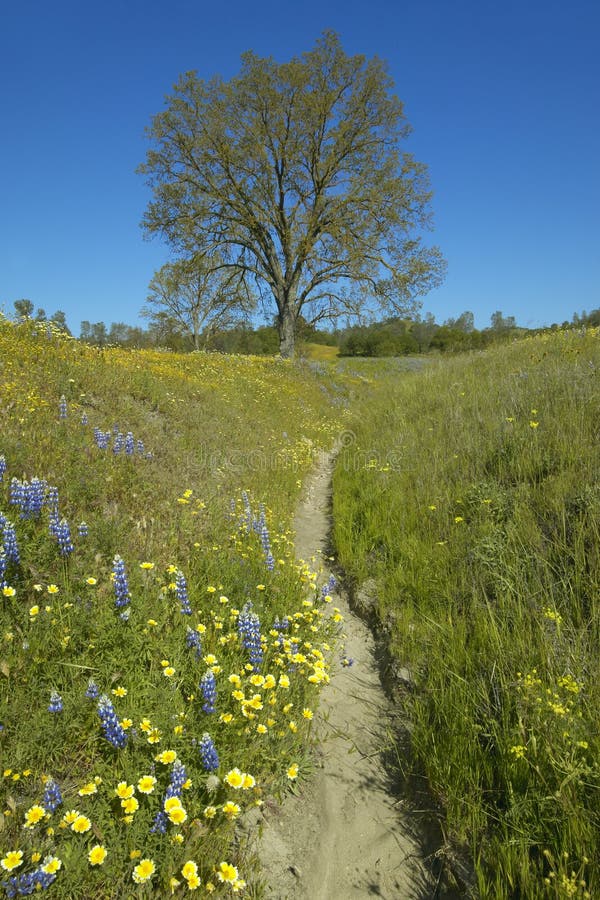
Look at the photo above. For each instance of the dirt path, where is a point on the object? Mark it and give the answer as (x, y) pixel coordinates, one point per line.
(345, 836)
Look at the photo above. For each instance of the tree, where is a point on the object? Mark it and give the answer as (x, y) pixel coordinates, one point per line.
(198, 297)
(23, 308)
(60, 320)
(502, 323)
(293, 173)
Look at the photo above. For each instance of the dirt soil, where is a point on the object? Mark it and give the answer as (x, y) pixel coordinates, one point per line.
(345, 834)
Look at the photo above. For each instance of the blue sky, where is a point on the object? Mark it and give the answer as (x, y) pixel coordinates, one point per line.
(503, 99)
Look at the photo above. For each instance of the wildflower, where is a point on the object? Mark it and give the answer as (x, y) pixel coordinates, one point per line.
(192, 640)
(227, 873)
(131, 805)
(249, 631)
(154, 736)
(144, 871)
(52, 798)
(124, 791)
(146, 784)
(231, 810)
(91, 581)
(81, 825)
(92, 691)
(56, 704)
(51, 865)
(147, 566)
(166, 757)
(34, 815)
(234, 779)
(12, 860)
(208, 686)
(518, 751)
(177, 815)
(62, 407)
(82, 529)
(97, 855)
(307, 714)
(182, 594)
(210, 812)
(88, 789)
(168, 672)
(119, 691)
(120, 583)
(8, 591)
(208, 753)
(533, 424)
(53, 589)
(63, 536)
(113, 731)
(292, 772)
(2, 467)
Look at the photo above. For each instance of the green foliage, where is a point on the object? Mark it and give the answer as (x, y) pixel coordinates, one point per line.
(211, 427)
(471, 495)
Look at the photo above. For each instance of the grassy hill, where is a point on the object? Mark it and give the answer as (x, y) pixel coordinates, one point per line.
(469, 492)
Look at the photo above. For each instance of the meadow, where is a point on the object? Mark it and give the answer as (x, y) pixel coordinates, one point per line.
(468, 494)
(162, 650)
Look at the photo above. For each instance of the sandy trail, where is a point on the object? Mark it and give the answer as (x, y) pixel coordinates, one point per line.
(345, 836)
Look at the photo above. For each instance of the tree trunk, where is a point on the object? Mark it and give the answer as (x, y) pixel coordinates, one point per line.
(286, 326)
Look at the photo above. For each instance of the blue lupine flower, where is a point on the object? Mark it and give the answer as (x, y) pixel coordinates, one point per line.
(3, 569)
(63, 536)
(52, 798)
(84, 419)
(329, 588)
(113, 732)
(28, 882)
(82, 529)
(182, 593)
(208, 753)
(2, 467)
(56, 704)
(9, 541)
(102, 438)
(92, 691)
(129, 444)
(193, 642)
(120, 583)
(62, 407)
(208, 686)
(124, 616)
(249, 631)
(177, 780)
(159, 824)
(119, 443)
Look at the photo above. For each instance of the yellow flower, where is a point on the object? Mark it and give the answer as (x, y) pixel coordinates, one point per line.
(97, 855)
(33, 612)
(261, 729)
(210, 812)
(166, 757)
(193, 883)
(52, 589)
(177, 815)
(88, 789)
(248, 782)
(124, 790)
(51, 865)
(146, 784)
(81, 825)
(34, 815)
(307, 713)
(12, 860)
(119, 691)
(227, 873)
(91, 582)
(130, 805)
(171, 803)
(533, 424)
(292, 772)
(152, 623)
(154, 736)
(231, 810)
(168, 671)
(234, 779)
(190, 868)
(70, 816)
(126, 723)
(144, 871)
(145, 725)
(8, 591)
(147, 566)
(35, 857)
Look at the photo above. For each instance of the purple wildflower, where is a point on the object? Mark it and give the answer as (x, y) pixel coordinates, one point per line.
(113, 732)
(182, 593)
(120, 583)
(249, 631)
(208, 753)
(56, 704)
(208, 686)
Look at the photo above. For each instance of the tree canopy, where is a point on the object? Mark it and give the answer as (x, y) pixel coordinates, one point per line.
(291, 175)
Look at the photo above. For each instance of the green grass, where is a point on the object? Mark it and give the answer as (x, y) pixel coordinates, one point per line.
(227, 442)
(470, 492)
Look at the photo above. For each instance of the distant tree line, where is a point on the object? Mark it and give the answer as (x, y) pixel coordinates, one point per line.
(393, 336)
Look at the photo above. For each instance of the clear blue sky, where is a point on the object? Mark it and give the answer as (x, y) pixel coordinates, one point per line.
(504, 99)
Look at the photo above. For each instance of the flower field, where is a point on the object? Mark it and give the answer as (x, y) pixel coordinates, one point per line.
(471, 495)
(162, 650)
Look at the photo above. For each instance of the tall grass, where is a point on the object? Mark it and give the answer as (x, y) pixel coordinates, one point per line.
(471, 494)
(162, 650)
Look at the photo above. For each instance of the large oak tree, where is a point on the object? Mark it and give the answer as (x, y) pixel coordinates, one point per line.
(291, 174)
